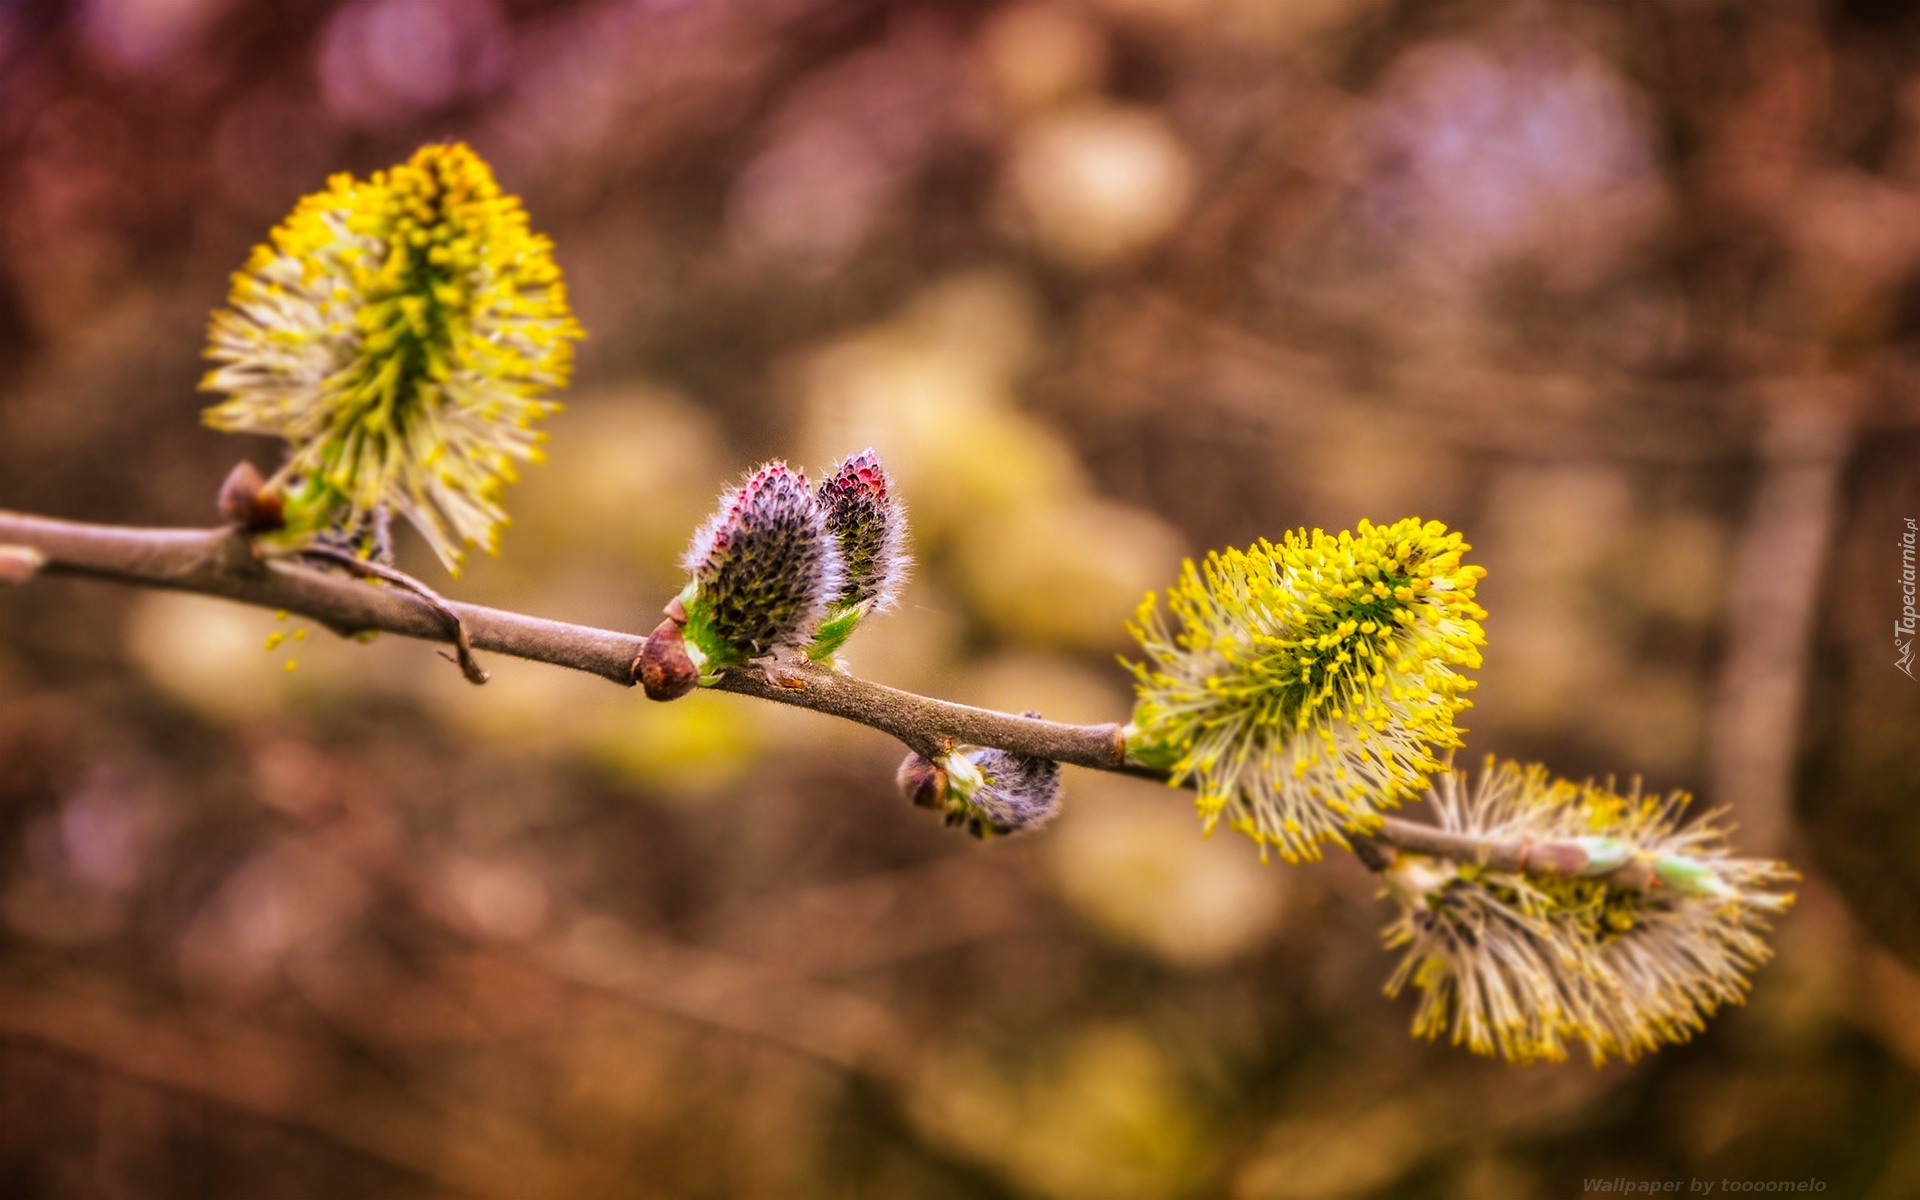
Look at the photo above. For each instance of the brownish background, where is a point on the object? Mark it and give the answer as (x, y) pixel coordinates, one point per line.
(1629, 292)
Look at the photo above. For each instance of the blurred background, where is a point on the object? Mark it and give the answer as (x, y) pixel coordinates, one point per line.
(1630, 292)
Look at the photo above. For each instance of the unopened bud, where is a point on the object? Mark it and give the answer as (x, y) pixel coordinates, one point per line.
(923, 783)
(983, 790)
(664, 668)
(245, 501)
(871, 528)
(1016, 794)
(20, 563)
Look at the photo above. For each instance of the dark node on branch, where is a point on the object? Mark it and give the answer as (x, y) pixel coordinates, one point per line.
(923, 783)
(664, 668)
(1374, 855)
(20, 563)
(245, 500)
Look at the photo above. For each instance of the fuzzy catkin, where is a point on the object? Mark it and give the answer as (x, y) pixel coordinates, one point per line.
(765, 568)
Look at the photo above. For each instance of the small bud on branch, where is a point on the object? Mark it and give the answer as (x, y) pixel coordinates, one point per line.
(19, 564)
(765, 570)
(986, 791)
(870, 525)
(246, 500)
(664, 669)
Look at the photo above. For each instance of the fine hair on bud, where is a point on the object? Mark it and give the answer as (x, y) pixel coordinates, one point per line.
(870, 524)
(765, 569)
(1635, 952)
(993, 793)
(1016, 795)
(1303, 687)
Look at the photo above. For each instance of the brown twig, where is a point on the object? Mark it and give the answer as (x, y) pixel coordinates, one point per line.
(220, 562)
(928, 726)
(1555, 858)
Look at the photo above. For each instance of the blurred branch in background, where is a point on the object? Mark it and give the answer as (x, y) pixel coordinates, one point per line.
(1779, 559)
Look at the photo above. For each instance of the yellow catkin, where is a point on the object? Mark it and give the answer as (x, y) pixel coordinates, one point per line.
(403, 334)
(1326, 667)
(1527, 966)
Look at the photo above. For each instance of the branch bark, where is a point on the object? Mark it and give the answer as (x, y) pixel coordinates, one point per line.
(223, 563)
(928, 726)
(226, 563)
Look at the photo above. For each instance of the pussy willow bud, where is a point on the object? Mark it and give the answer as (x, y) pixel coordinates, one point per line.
(985, 791)
(870, 526)
(1015, 794)
(1311, 684)
(246, 501)
(765, 570)
(401, 333)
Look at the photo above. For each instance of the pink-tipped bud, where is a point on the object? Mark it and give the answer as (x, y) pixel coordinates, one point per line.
(665, 669)
(245, 501)
(870, 525)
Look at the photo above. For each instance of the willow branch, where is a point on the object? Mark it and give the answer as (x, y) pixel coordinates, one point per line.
(225, 563)
(928, 726)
